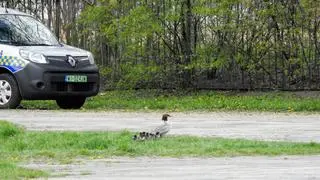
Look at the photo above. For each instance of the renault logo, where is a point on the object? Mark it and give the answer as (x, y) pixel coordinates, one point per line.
(71, 61)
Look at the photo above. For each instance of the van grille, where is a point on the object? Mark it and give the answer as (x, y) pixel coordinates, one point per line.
(71, 87)
(63, 58)
(60, 61)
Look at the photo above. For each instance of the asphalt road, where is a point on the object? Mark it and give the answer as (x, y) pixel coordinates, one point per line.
(265, 126)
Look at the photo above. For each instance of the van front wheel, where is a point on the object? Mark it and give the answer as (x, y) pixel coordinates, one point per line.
(71, 102)
(9, 92)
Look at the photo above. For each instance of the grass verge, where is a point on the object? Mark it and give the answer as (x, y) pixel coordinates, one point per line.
(202, 101)
(12, 171)
(18, 145)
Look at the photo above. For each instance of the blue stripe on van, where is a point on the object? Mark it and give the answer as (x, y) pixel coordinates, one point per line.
(11, 63)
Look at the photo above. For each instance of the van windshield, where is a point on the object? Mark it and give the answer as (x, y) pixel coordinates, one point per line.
(21, 30)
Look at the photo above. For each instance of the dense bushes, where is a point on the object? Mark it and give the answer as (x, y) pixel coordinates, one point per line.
(221, 44)
(208, 44)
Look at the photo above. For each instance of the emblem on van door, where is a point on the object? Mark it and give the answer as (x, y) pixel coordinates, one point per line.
(71, 61)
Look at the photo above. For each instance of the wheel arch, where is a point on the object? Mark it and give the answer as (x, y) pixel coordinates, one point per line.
(4, 70)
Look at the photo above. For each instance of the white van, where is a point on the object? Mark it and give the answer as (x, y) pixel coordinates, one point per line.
(35, 66)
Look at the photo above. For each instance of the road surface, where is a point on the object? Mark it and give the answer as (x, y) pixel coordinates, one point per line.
(246, 168)
(302, 127)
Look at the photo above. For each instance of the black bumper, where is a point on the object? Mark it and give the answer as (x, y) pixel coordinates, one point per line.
(44, 81)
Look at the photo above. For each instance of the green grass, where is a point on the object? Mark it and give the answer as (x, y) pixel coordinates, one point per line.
(191, 101)
(62, 145)
(12, 171)
(18, 145)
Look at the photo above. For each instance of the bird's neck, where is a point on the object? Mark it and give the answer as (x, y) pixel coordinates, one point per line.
(165, 122)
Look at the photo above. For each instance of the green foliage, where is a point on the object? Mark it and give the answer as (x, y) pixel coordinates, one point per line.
(252, 39)
(11, 171)
(129, 30)
(249, 44)
(133, 74)
(61, 145)
(191, 101)
(139, 24)
(8, 130)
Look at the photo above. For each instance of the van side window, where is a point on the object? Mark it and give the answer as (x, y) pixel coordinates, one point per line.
(4, 31)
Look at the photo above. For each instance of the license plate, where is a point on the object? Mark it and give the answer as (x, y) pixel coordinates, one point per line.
(76, 78)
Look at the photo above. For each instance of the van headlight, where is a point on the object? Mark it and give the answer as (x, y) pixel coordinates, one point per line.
(32, 56)
(90, 57)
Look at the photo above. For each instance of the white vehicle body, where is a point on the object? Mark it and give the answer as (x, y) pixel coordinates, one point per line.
(34, 65)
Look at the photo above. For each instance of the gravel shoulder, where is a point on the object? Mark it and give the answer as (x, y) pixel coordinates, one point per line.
(292, 167)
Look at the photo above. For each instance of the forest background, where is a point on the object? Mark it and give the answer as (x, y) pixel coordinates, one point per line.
(191, 44)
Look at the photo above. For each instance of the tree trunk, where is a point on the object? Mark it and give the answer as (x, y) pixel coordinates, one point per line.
(57, 26)
(49, 14)
(187, 38)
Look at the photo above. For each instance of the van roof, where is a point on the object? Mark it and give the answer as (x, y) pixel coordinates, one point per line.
(11, 11)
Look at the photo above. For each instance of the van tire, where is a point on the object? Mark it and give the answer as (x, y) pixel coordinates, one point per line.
(71, 102)
(9, 84)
